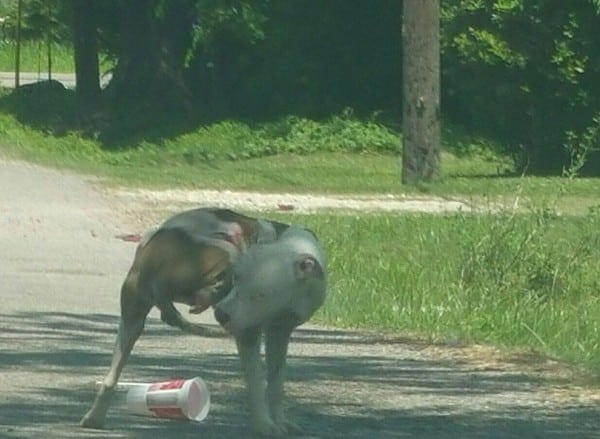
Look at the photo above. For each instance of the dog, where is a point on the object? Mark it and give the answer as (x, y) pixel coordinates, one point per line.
(262, 278)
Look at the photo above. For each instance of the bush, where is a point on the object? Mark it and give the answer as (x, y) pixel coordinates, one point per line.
(235, 140)
(525, 72)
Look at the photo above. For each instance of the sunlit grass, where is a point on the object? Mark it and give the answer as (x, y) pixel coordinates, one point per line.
(34, 57)
(514, 281)
(474, 177)
(527, 280)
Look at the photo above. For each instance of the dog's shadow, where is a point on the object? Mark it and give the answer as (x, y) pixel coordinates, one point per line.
(339, 386)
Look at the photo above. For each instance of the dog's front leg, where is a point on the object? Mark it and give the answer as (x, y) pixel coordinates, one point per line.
(248, 345)
(133, 316)
(277, 338)
(127, 336)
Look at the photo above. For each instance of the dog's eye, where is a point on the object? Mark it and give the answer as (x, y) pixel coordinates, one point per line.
(307, 265)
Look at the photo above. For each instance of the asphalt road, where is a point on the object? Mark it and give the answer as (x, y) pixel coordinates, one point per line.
(7, 79)
(60, 272)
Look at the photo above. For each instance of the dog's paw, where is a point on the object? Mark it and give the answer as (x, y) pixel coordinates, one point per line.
(89, 421)
(268, 428)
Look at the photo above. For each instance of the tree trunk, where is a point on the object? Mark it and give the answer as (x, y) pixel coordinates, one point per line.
(421, 90)
(149, 74)
(85, 43)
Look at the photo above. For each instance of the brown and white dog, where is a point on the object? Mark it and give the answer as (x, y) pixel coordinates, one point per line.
(261, 277)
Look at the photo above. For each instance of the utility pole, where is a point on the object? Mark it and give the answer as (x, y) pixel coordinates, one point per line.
(421, 90)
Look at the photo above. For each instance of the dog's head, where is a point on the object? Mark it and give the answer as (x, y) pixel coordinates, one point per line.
(286, 277)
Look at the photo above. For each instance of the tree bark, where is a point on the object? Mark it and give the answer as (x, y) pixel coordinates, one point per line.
(85, 43)
(421, 90)
(149, 74)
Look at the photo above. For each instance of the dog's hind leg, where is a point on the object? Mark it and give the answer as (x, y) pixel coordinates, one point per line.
(133, 316)
(277, 337)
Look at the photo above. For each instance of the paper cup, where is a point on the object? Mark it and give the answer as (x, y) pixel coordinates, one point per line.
(175, 399)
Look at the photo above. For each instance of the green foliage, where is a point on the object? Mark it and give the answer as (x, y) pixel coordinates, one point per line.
(478, 45)
(525, 281)
(34, 57)
(229, 140)
(51, 108)
(41, 20)
(46, 106)
(235, 20)
(523, 72)
(245, 20)
(298, 57)
(289, 153)
(536, 64)
(518, 257)
(581, 146)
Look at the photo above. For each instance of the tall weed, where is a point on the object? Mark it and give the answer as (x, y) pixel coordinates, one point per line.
(532, 279)
(527, 280)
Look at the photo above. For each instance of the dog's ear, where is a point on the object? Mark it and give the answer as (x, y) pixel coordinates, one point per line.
(307, 266)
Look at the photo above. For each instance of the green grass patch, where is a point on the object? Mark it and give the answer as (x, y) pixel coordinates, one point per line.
(34, 57)
(525, 281)
(342, 154)
(187, 160)
(278, 156)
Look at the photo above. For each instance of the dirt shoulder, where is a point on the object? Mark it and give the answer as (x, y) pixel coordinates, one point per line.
(61, 269)
(304, 203)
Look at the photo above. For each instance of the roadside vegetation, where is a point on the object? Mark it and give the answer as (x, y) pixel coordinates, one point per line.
(523, 275)
(524, 278)
(294, 154)
(527, 281)
(34, 57)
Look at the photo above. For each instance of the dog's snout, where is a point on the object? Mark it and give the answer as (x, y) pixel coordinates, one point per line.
(222, 317)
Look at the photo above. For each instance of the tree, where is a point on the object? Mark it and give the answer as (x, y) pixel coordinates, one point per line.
(532, 69)
(421, 90)
(85, 43)
(154, 37)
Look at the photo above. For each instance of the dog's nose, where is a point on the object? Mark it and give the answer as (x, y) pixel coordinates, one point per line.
(222, 317)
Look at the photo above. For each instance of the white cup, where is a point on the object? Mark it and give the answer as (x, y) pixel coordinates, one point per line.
(174, 399)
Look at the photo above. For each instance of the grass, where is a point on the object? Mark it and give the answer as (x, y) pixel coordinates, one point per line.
(518, 280)
(34, 57)
(475, 175)
(291, 154)
(525, 281)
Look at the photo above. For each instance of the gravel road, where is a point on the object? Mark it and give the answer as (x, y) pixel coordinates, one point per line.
(60, 272)
(300, 203)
